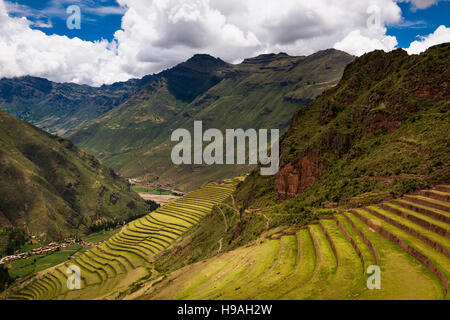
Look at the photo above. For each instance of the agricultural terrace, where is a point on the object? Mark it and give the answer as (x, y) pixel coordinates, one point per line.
(127, 256)
(407, 238)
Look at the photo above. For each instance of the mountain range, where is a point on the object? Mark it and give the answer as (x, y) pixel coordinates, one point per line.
(128, 125)
(261, 92)
(59, 108)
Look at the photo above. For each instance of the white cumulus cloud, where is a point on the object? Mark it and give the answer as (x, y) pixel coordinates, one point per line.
(356, 43)
(421, 4)
(157, 34)
(441, 35)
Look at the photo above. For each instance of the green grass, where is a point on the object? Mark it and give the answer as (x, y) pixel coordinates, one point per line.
(29, 247)
(160, 192)
(349, 279)
(163, 192)
(403, 276)
(140, 189)
(305, 265)
(22, 268)
(437, 258)
(263, 259)
(100, 236)
(282, 266)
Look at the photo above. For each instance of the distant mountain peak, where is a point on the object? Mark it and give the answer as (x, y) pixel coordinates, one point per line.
(266, 58)
(204, 60)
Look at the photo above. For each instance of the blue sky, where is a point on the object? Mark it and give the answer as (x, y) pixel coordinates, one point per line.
(420, 22)
(97, 24)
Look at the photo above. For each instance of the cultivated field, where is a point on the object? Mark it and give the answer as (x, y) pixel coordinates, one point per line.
(127, 256)
(407, 238)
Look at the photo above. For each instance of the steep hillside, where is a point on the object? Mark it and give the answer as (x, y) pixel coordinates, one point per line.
(385, 129)
(47, 185)
(145, 117)
(61, 107)
(261, 92)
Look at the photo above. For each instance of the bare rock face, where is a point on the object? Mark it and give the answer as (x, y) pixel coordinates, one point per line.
(293, 179)
(296, 176)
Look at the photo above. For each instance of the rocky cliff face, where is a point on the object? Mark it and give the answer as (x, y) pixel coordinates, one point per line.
(295, 178)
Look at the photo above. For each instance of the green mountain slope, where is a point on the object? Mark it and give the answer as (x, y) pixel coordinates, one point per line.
(144, 117)
(348, 196)
(385, 128)
(61, 107)
(261, 92)
(48, 185)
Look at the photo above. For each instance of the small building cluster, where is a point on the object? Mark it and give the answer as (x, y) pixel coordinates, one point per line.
(87, 244)
(8, 259)
(51, 247)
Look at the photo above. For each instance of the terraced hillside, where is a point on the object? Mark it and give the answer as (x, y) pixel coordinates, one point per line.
(407, 238)
(127, 257)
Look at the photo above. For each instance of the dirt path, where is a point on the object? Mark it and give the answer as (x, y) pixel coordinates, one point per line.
(220, 246)
(159, 199)
(224, 218)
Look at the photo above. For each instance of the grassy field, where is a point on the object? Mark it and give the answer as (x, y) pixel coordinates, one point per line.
(140, 189)
(29, 247)
(22, 268)
(160, 192)
(100, 236)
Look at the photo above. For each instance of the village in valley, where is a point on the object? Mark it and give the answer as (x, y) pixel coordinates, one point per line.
(50, 248)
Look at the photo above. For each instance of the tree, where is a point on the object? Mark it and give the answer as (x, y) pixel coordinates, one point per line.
(16, 239)
(5, 278)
